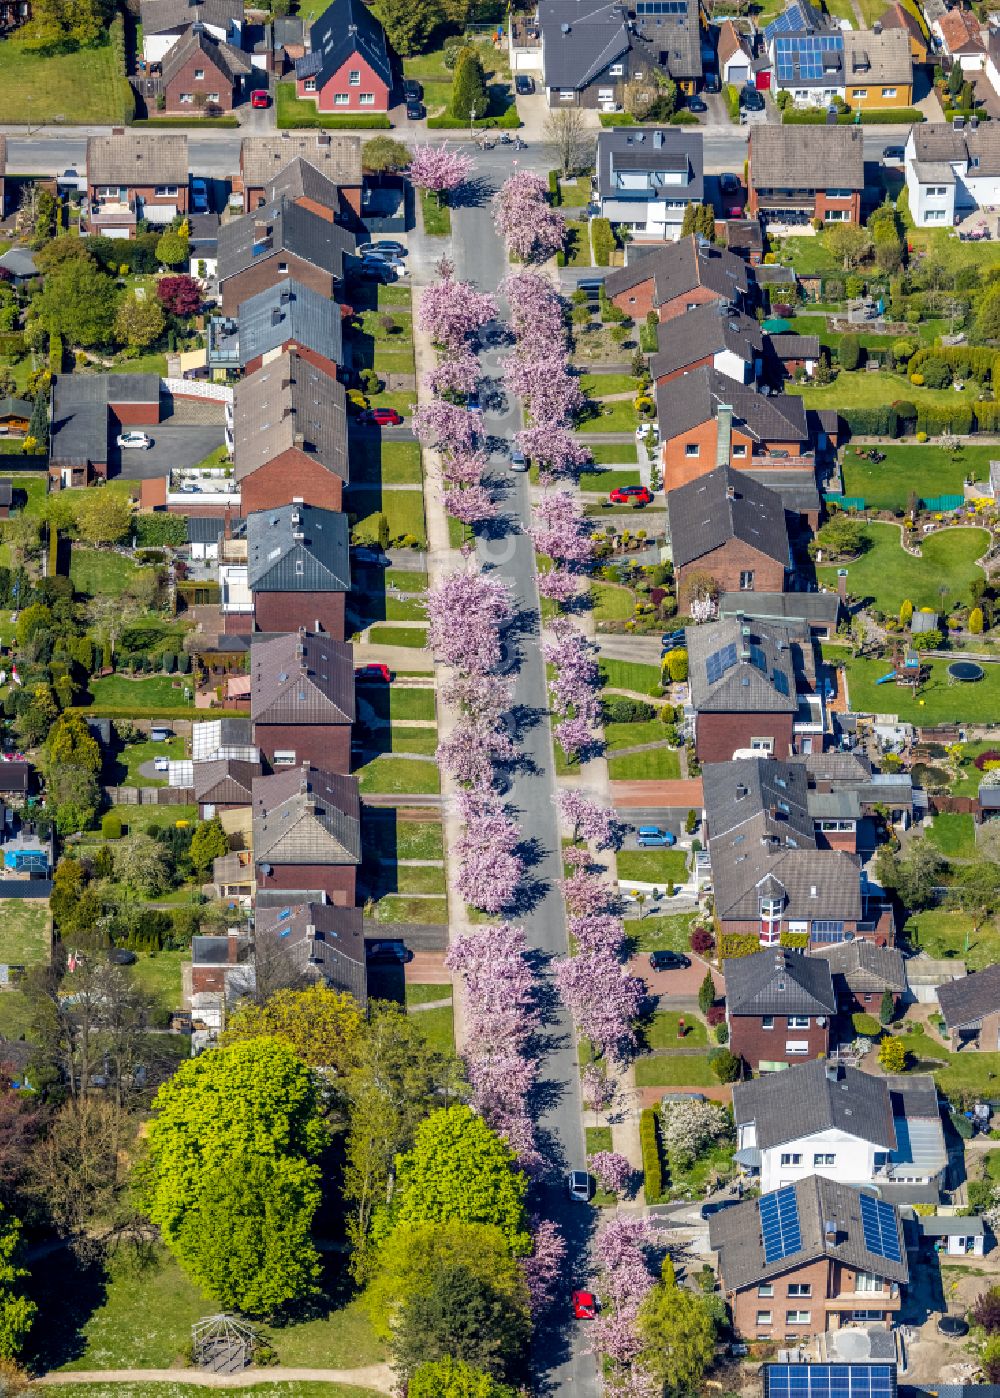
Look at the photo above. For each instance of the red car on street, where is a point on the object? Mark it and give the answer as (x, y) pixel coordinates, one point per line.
(382, 417)
(259, 98)
(584, 1305)
(373, 671)
(631, 495)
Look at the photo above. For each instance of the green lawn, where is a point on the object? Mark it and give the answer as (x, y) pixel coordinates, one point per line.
(946, 251)
(405, 580)
(399, 908)
(660, 932)
(860, 389)
(135, 755)
(575, 193)
(437, 217)
(100, 574)
(942, 935)
(930, 471)
(614, 453)
(141, 696)
(658, 764)
(419, 740)
(16, 1015)
(298, 112)
(660, 866)
(601, 385)
(403, 509)
(608, 480)
(890, 576)
(84, 88)
(401, 463)
(611, 602)
(438, 1026)
(159, 975)
(631, 675)
(577, 245)
(25, 931)
(939, 701)
(613, 417)
(422, 993)
(954, 835)
(397, 838)
(387, 775)
(662, 1031)
(679, 1070)
(277, 1389)
(414, 636)
(411, 703)
(629, 735)
(420, 878)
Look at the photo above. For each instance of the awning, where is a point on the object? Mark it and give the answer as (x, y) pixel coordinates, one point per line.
(749, 1158)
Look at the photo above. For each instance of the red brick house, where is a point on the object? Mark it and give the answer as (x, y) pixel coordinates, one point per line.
(348, 67)
(132, 176)
(337, 157)
(800, 173)
(302, 700)
(862, 972)
(714, 335)
(677, 277)
(812, 1257)
(290, 436)
(202, 75)
(223, 784)
(779, 1004)
(280, 242)
(291, 317)
(305, 185)
(219, 966)
(307, 832)
(727, 525)
(299, 569)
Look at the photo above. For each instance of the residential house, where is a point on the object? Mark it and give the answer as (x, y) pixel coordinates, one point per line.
(314, 940)
(19, 264)
(16, 780)
(133, 176)
(971, 1010)
(707, 419)
(897, 16)
(800, 173)
(646, 179)
(202, 75)
(807, 54)
(223, 785)
(846, 799)
(728, 526)
(816, 612)
(862, 973)
(166, 22)
(585, 51)
(307, 832)
(834, 1121)
(313, 190)
(348, 66)
(263, 158)
(667, 37)
(299, 569)
(284, 317)
(677, 278)
(276, 243)
(843, 1374)
(808, 1259)
(961, 36)
(223, 739)
(15, 416)
(779, 1003)
(738, 59)
(88, 412)
(220, 972)
(745, 237)
(715, 334)
(878, 69)
(290, 436)
(743, 690)
(203, 246)
(951, 172)
(794, 354)
(302, 700)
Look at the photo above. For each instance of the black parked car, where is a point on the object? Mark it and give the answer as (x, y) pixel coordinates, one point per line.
(697, 104)
(412, 90)
(668, 960)
(523, 85)
(414, 110)
(751, 100)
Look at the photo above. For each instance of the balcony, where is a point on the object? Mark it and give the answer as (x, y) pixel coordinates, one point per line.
(201, 489)
(111, 213)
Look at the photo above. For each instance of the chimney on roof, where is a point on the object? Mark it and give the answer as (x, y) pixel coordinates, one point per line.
(323, 139)
(299, 440)
(830, 1230)
(276, 316)
(730, 492)
(233, 946)
(564, 28)
(831, 1071)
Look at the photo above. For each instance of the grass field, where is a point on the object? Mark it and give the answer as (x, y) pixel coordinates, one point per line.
(602, 385)
(660, 932)
(889, 576)
(864, 390)
(421, 993)
(628, 735)
(927, 470)
(414, 636)
(939, 701)
(611, 602)
(613, 417)
(437, 217)
(438, 1026)
(25, 931)
(179, 1389)
(657, 764)
(100, 574)
(397, 907)
(662, 1031)
(141, 695)
(954, 835)
(680, 1070)
(942, 935)
(159, 975)
(608, 480)
(614, 453)
(630, 675)
(397, 703)
(397, 776)
(134, 756)
(84, 87)
(662, 866)
(403, 509)
(401, 463)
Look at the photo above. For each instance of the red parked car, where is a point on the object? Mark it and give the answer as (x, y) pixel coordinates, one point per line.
(382, 417)
(259, 98)
(373, 671)
(584, 1305)
(631, 495)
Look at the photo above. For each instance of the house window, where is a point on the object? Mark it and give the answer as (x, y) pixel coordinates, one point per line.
(763, 1317)
(800, 1289)
(888, 92)
(767, 1022)
(616, 70)
(213, 97)
(567, 94)
(766, 1289)
(837, 216)
(867, 1315)
(354, 77)
(605, 94)
(284, 757)
(824, 1159)
(341, 99)
(199, 74)
(283, 268)
(798, 1021)
(309, 85)
(746, 580)
(861, 92)
(367, 99)
(692, 449)
(739, 448)
(166, 191)
(187, 96)
(868, 1281)
(791, 1158)
(934, 216)
(827, 925)
(798, 1317)
(762, 745)
(936, 191)
(796, 1048)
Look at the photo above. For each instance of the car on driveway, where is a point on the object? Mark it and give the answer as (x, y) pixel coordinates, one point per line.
(713, 83)
(415, 111)
(669, 639)
(374, 670)
(584, 1305)
(730, 184)
(199, 196)
(134, 440)
(382, 417)
(893, 155)
(384, 247)
(518, 460)
(523, 85)
(387, 951)
(707, 1210)
(260, 99)
(375, 270)
(652, 837)
(751, 100)
(580, 1186)
(631, 495)
(697, 104)
(412, 91)
(669, 961)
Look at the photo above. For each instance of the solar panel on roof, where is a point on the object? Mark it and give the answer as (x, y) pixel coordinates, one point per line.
(829, 1380)
(719, 662)
(758, 658)
(780, 681)
(879, 1223)
(779, 1224)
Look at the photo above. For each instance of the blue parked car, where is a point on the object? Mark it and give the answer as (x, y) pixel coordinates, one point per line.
(670, 639)
(652, 837)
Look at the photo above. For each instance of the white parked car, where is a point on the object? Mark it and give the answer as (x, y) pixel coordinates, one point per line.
(135, 439)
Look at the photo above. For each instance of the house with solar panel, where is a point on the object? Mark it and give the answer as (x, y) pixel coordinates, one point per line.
(858, 1128)
(810, 1258)
(854, 1378)
(807, 55)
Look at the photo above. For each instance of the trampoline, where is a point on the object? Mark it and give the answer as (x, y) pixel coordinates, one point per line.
(966, 671)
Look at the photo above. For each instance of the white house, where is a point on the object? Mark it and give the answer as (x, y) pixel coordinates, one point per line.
(647, 178)
(822, 1119)
(951, 172)
(166, 21)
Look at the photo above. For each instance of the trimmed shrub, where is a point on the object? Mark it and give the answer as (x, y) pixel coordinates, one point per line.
(795, 941)
(555, 194)
(652, 1167)
(701, 941)
(603, 241)
(111, 826)
(734, 944)
(866, 1026)
(716, 1014)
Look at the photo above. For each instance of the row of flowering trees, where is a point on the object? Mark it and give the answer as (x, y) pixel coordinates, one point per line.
(530, 228)
(573, 687)
(624, 1283)
(560, 531)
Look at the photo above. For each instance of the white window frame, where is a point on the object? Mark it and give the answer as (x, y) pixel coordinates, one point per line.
(869, 1284)
(797, 1048)
(798, 1317)
(825, 1158)
(354, 77)
(616, 70)
(861, 92)
(798, 1021)
(747, 579)
(800, 1289)
(764, 1318)
(341, 99)
(199, 75)
(889, 92)
(791, 1158)
(762, 745)
(367, 99)
(767, 1022)
(692, 449)
(567, 94)
(283, 757)
(739, 448)
(309, 85)
(765, 1290)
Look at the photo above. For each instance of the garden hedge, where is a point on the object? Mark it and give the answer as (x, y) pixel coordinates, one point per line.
(603, 241)
(509, 121)
(652, 1167)
(795, 941)
(617, 119)
(901, 116)
(735, 944)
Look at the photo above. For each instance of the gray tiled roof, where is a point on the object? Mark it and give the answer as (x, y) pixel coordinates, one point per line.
(778, 981)
(807, 157)
(263, 157)
(300, 180)
(80, 425)
(673, 41)
(229, 61)
(736, 1235)
(289, 404)
(283, 226)
(321, 940)
(677, 268)
(161, 16)
(762, 679)
(693, 399)
(657, 152)
(965, 1001)
(287, 312)
(137, 158)
(580, 39)
(343, 29)
(224, 781)
(795, 346)
(737, 792)
(865, 967)
(877, 58)
(797, 489)
(815, 1097)
(298, 548)
(302, 815)
(816, 607)
(301, 678)
(706, 330)
(708, 512)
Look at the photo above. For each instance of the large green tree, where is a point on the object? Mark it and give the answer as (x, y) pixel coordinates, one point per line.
(139, 322)
(323, 1026)
(468, 92)
(71, 744)
(677, 1331)
(141, 864)
(988, 313)
(209, 842)
(460, 1314)
(408, 24)
(383, 154)
(16, 1311)
(79, 303)
(104, 517)
(232, 1160)
(450, 1378)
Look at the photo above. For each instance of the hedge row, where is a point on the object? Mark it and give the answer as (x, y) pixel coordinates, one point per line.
(794, 941)
(509, 121)
(969, 360)
(603, 241)
(960, 420)
(816, 116)
(55, 354)
(213, 123)
(555, 193)
(652, 1167)
(734, 944)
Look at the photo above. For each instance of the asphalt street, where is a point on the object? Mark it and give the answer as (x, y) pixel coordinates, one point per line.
(559, 1353)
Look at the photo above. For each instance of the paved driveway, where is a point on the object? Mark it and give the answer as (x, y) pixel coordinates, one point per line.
(173, 446)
